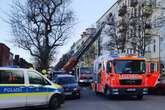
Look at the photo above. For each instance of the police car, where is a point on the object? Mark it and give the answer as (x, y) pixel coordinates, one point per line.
(26, 87)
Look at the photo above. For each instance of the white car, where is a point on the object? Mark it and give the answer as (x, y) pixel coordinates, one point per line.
(26, 87)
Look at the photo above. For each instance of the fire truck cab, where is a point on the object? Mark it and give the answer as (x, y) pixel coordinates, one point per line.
(124, 75)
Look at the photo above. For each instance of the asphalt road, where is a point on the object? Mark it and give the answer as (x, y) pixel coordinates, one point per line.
(89, 101)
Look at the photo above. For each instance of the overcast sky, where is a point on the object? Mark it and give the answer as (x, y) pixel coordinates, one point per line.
(87, 12)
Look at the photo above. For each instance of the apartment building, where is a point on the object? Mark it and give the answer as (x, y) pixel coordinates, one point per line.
(141, 23)
(4, 55)
(89, 56)
(84, 37)
(145, 20)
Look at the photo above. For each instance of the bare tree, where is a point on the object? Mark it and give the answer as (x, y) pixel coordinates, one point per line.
(141, 36)
(41, 26)
(116, 41)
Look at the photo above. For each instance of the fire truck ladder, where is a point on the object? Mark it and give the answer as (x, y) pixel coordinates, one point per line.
(80, 52)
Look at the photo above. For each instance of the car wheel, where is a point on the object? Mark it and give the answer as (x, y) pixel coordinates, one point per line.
(139, 97)
(79, 95)
(54, 103)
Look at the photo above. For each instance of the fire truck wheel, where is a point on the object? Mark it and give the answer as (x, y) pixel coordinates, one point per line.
(107, 93)
(139, 97)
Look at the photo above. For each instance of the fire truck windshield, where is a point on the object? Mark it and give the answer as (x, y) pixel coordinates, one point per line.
(130, 66)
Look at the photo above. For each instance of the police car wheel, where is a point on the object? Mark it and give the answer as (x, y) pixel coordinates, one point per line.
(54, 103)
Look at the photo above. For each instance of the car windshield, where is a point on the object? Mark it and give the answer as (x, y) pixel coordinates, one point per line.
(58, 72)
(86, 70)
(130, 66)
(54, 74)
(65, 80)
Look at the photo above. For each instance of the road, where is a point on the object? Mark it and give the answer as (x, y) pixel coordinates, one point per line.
(89, 101)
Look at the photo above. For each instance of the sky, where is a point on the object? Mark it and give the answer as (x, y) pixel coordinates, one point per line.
(87, 12)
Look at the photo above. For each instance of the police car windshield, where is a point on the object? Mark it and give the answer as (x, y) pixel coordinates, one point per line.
(130, 66)
(65, 80)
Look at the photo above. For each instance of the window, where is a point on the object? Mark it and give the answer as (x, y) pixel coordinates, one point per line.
(153, 67)
(149, 49)
(129, 66)
(65, 80)
(11, 77)
(108, 67)
(99, 67)
(103, 66)
(35, 78)
(154, 48)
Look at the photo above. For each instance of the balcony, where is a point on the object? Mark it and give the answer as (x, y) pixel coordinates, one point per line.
(147, 11)
(148, 26)
(122, 29)
(147, 3)
(148, 33)
(123, 10)
(147, 8)
(133, 21)
(121, 36)
(121, 22)
(133, 3)
(133, 15)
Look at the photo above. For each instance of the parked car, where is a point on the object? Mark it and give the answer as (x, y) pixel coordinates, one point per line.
(160, 87)
(54, 74)
(21, 88)
(70, 85)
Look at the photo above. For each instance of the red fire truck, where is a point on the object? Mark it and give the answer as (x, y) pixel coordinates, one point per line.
(124, 75)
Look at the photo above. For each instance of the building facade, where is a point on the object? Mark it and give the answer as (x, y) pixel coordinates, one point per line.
(7, 58)
(4, 55)
(141, 24)
(103, 42)
(89, 56)
(84, 36)
(146, 22)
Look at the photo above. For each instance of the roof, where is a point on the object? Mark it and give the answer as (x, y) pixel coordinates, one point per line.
(2, 44)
